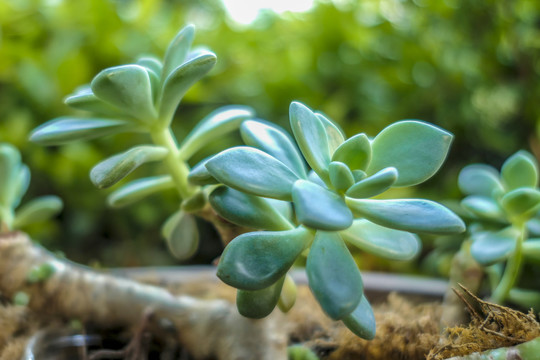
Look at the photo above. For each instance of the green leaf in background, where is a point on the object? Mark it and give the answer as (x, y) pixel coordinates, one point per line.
(320, 208)
(110, 171)
(491, 247)
(479, 179)
(139, 189)
(374, 184)
(483, 207)
(355, 152)
(178, 50)
(287, 298)
(127, 87)
(256, 260)
(181, 234)
(274, 141)
(381, 241)
(531, 249)
(253, 171)
(39, 209)
(521, 202)
(341, 176)
(520, 170)
(334, 133)
(67, 129)
(21, 185)
(214, 126)
(10, 163)
(199, 174)
(415, 215)
(310, 134)
(178, 82)
(256, 304)
(362, 320)
(247, 210)
(84, 99)
(333, 275)
(416, 149)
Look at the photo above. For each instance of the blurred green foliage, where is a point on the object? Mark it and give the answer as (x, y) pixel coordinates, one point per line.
(471, 67)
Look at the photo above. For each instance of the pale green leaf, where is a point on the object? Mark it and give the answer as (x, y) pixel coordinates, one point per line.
(355, 152)
(10, 167)
(341, 176)
(490, 247)
(84, 99)
(531, 249)
(521, 202)
(139, 189)
(199, 174)
(362, 320)
(374, 184)
(21, 183)
(178, 50)
(181, 235)
(39, 209)
(151, 63)
(287, 298)
(479, 179)
(256, 304)
(334, 133)
(483, 207)
(520, 170)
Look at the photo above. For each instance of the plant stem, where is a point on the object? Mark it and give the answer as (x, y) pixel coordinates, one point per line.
(512, 270)
(178, 169)
(6, 219)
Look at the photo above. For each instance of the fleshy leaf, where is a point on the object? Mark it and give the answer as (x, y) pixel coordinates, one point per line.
(415, 215)
(491, 247)
(531, 249)
(314, 178)
(483, 207)
(253, 171)
(479, 179)
(39, 209)
(520, 170)
(256, 260)
(178, 82)
(355, 152)
(333, 276)
(320, 208)
(212, 127)
(127, 87)
(181, 234)
(247, 210)
(274, 141)
(340, 176)
(256, 304)
(374, 184)
(416, 149)
(381, 241)
(178, 50)
(139, 189)
(310, 134)
(334, 133)
(359, 175)
(84, 99)
(521, 202)
(362, 320)
(287, 298)
(10, 164)
(199, 174)
(110, 171)
(21, 185)
(151, 63)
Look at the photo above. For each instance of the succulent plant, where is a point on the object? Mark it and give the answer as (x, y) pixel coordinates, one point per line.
(319, 212)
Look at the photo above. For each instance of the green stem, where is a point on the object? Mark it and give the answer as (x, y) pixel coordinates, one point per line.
(7, 217)
(178, 169)
(512, 270)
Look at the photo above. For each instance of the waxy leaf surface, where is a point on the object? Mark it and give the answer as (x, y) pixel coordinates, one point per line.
(483, 207)
(256, 304)
(521, 202)
(491, 247)
(520, 170)
(362, 320)
(199, 174)
(479, 179)
(139, 189)
(334, 133)
(287, 298)
(341, 176)
(355, 152)
(84, 99)
(374, 184)
(178, 50)
(181, 234)
(39, 209)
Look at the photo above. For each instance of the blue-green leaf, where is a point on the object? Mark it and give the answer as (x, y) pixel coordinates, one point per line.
(274, 141)
(491, 247)
(110, 171)
(374, 184)
(127, 87)
(256, 260)
(39, 209)
(181, 235)
(483, 207)
(178, 50)
(253, 171)
(287, 298)
(139, 189)
(416, 149)
(520, 170)
(151, 63)
(362, 320)
(381, 241)
(333, 275)
(479, 179)
(199, 174)
(320, 208)
(334, 133)
(67, 129)
(341, 176)
(521, 202)
(84, 99)
(310, 134)
(415, 215)
(214, 126)
(355, 152)
(247, 210)
(256, 304)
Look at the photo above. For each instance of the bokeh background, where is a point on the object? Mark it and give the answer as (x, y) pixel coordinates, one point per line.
(470, 66)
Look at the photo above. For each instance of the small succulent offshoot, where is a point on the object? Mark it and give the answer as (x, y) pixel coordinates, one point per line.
(319, 212)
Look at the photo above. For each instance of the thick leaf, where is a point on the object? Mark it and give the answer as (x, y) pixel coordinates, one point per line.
(416, 149)
(415, 215)
(212, 127)
(253, 171)
(483, 207)
(341, 176)
(527, 299)
(199, 174)
(247, 210)
(274, 141)
(287, 298)
(491, 247)
(320, 208)
(359, 175)
(151, 63)
(256, 304)
(333, 275)
(194, 202)
(310, 134)
(10, 167)
(139, 189)
(355, 152)
(178, 50)
(314, 178)
(256, 260)
(67, 129)
(362, 320)
(479, 179)
(39, 209)
(520, 170)
(180, 80)
(181, 234)
(521, 202)
(381, 241)
(374, 184)
(127, 87)
(22, 182)
(334, 133)
(110, 171)
(84, 99)
(531, 249)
